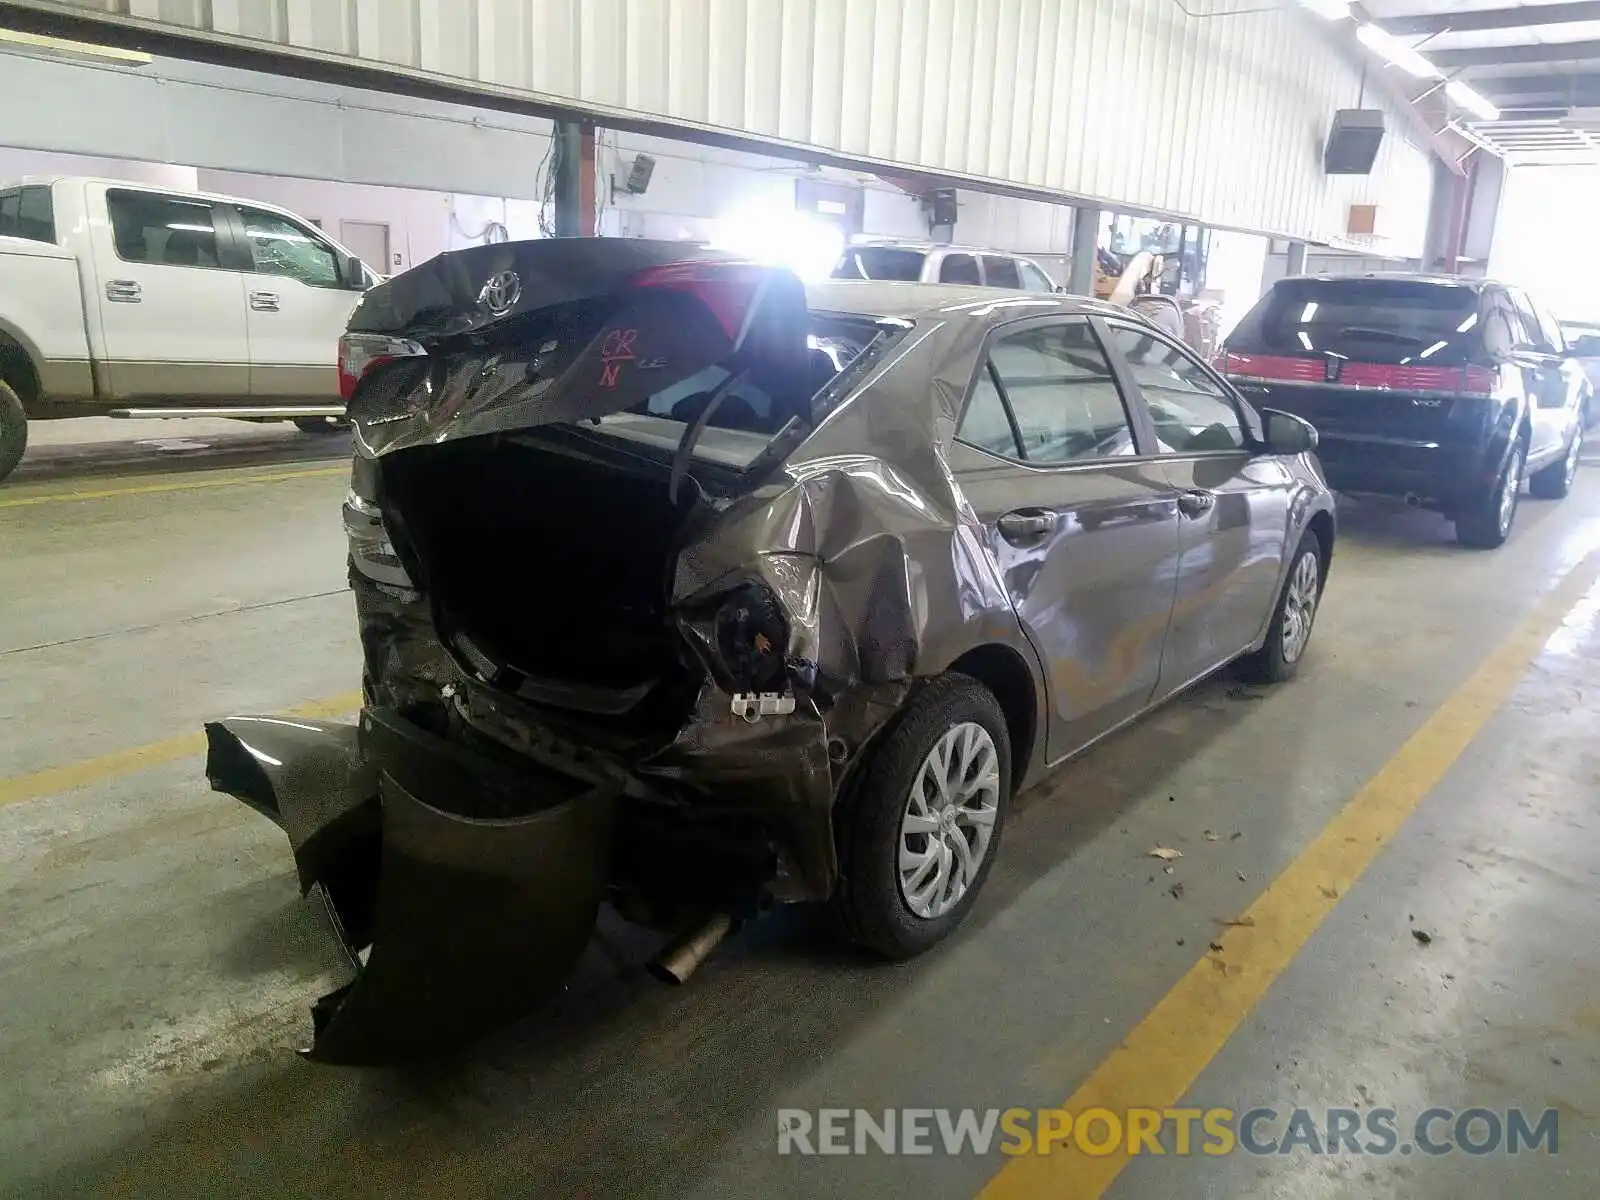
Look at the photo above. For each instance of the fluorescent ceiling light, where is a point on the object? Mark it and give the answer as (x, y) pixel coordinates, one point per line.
(1334, 10)
(1386, 45)
(1471, 101)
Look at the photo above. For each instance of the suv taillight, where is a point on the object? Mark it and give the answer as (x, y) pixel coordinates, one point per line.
(360, 353)
(1477, 381)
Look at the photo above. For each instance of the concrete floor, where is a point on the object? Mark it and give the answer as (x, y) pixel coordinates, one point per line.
(157, 962)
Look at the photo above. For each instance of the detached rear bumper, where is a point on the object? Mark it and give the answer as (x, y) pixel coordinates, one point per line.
(470, 881)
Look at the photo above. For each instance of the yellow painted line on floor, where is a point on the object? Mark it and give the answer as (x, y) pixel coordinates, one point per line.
(186, 485)
(122, 762)
(1164, 1054)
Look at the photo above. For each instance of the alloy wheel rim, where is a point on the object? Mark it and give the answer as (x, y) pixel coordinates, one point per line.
(949, 820)
(1508, 492)
(1300, 607)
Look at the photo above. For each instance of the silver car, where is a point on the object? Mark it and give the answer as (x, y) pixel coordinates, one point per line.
(927, 262)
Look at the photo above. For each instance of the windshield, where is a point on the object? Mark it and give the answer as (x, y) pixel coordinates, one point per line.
(1366, 320)
(893, 263)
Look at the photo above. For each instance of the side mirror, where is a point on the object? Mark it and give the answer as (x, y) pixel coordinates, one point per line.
(353, 272)
(1287, 434)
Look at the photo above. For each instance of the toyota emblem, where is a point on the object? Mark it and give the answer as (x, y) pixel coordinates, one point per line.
(500, 293)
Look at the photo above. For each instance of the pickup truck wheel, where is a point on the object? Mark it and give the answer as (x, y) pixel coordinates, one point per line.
(321, 424)
(1555, 481)
(921, 824)
(13, 429)
(1487, 523)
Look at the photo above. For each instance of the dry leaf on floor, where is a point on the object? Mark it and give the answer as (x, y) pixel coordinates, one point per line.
(1209, 836)
(1165, 853)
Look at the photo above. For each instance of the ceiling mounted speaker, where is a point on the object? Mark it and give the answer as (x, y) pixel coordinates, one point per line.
(1353, 141)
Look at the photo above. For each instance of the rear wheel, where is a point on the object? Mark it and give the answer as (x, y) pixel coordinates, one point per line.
(1487, 523)
(13, 429)
(921, 825)
(1555, 481)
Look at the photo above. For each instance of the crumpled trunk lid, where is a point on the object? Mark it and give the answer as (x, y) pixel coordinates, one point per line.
(528, 334)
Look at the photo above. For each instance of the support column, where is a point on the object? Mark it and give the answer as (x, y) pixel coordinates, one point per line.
(1085, 240)
(1297, 259)
(573, 159)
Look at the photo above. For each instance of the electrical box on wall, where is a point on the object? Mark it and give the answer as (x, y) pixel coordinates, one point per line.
(1363, 221)
(1353, 142)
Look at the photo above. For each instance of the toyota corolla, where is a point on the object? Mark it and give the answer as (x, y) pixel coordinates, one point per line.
(688, 589)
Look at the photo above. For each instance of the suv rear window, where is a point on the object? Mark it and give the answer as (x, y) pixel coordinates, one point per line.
(1367, 320)
(27, 212)
(881, 262)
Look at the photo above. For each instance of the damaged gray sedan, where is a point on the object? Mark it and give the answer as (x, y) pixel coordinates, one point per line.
(688, 589)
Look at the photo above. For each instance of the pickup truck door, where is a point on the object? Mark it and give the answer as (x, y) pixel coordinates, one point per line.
(171, 311)
(297, 308)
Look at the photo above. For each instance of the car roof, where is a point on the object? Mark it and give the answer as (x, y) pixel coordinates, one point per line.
(1465, 281)
(886, 298)
(889, 243)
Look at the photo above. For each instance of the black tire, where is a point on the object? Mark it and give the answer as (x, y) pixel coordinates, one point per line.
(1486, 524)
(870, 904)
(1279, 659)
(321, 424)
(13, 429)
(1555, 481)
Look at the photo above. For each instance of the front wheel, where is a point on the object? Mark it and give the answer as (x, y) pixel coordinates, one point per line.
(1556, 480)
(1290, 631)
(13, 429)
(1487, 523)
(921, 824)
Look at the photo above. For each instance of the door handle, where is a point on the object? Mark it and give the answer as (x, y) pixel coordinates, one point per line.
(123, 291)
(1026, 524)
(264, 301)
(1196, 503)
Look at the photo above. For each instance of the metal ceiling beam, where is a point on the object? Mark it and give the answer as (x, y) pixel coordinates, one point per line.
(1494, 56)
(1494, 18)
(1558, 85)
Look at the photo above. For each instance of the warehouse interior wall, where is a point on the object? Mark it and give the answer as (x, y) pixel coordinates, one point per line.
(1204, 110)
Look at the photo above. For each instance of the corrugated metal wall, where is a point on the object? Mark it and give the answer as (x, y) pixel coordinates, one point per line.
(1217, 115)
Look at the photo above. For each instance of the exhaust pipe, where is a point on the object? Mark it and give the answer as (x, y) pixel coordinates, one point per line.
(684, 954)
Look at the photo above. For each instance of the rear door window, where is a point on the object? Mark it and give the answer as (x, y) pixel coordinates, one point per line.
(1001, 272)
(150, 228)
(1046, 394)
(893, 263)
(28, 212)
(959, 268)
(1365, 320)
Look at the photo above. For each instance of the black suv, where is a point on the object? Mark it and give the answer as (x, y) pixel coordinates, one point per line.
(1443, 391)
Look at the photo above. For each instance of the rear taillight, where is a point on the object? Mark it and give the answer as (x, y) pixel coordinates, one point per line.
(1274, 367)
(360, 353)
(1477, 381)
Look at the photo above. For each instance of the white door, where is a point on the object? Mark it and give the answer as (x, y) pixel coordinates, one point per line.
(298, 307)
(172, 317)
(368, 241)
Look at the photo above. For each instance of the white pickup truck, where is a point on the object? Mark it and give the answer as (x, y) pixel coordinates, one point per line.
(124, 300)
